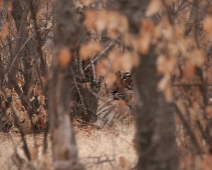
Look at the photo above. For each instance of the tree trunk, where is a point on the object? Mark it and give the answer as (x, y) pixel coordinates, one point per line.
(155, 138)
(155, 119)
(65, 155)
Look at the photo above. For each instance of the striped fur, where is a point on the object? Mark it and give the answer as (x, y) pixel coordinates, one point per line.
(118, 101)
(110, 111)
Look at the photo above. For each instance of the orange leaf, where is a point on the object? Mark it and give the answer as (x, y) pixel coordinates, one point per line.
(166, 65)
(207, 24)
(168, 94)
(126, 62)
(1, 4)
(5, 30)
(64, 57)
(101, 21)
(164, 82)
(188, 71)
(145, 35)
(209, 112)
(87, 2)
(90, 19)
(89, 50)
(101, 68)
(207, 163)
(198, 57)
(154, 7)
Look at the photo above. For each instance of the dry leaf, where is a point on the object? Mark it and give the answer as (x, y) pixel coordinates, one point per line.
(179, 31)
(154, 7)
(115, 59)
(89, 50)
(169, 2)
(126, 61)
(207, 163)
(101, 68)
(116, 24)
(167, 30)
(145, 35)
(112, 33)
(166, 65)
(90, 17)
(116, 64)
(6, 78)
(1, 4)
(189, 70)
(9, 6)
(207, 24)
(5, 30)
(198, 57)
(164, 82)
(75, 122)
(101, 21)
(113, 54)
(136, 59)
(168, 94)
(87, 2)
(88, 85)
(209, 112)
(123, 24)
(104, 2)
(41, 14)
(37, 91)
(113, 20)
(3, 104)
(64, 57)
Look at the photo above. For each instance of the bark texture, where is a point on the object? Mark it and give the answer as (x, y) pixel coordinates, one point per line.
(155, 136)
(61, 81)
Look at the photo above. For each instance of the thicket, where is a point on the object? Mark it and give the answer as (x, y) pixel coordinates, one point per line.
(58, 57)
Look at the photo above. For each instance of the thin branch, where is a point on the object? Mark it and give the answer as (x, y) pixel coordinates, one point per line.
(105, 50)
(93, 70)
(187, 127)
(75, 82)
(38, 38)
(102, 53)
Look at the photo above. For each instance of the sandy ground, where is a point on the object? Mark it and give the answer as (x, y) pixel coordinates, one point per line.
(99, 149)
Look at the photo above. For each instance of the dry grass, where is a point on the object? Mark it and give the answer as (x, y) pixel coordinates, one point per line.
(106, 148)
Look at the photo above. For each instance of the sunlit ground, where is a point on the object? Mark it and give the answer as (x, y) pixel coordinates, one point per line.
(105, 148)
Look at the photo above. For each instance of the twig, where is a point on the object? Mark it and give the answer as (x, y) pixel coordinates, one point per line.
(38, 38)
(75, 82)
(93, 69)
(105, 50)
(102, 53)
(190, 132)
(25, 146)
(182, 85)
(4, 124)
(16, 56)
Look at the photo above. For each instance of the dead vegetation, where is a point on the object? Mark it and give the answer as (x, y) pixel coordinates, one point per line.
(98, 149)
(105, 84)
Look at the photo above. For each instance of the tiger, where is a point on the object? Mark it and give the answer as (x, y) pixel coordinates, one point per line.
(116, 104)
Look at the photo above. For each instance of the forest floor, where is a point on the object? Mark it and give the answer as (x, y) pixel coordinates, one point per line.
(100, 149)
